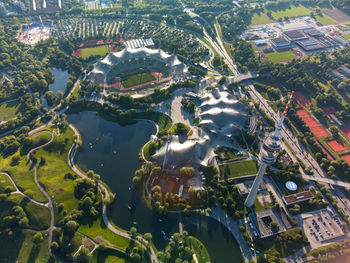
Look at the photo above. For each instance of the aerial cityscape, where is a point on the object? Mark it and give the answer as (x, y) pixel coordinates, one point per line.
(174, 131)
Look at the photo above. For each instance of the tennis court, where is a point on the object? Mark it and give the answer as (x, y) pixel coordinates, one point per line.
(314, 126)
(330, 157)
(304, 102)
(337, 145)
(346, 157)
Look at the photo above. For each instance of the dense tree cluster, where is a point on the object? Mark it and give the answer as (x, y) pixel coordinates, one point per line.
(15, 218)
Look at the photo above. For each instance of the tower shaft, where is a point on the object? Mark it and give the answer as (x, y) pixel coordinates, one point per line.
(249, 202)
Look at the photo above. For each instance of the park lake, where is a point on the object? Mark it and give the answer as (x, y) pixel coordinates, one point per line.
(111, 150)
(60, 82)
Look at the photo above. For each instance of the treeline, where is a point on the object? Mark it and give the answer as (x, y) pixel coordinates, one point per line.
(336, 252)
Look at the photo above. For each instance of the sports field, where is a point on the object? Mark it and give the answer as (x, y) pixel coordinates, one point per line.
(137, 79)
(346, 157)
(236, 169)
(93, 51)
(293, 11)
(280, 56)
(337, 145)
(9, 110)
(314, 126)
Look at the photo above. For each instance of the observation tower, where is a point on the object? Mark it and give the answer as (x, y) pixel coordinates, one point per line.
(267, 156)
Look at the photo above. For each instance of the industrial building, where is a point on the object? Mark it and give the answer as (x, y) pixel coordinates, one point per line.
(297, 198)
(280, 43)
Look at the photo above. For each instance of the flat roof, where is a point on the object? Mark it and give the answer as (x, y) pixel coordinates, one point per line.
(298, 197)
(310, 44)
(294, 34)
(280, 40)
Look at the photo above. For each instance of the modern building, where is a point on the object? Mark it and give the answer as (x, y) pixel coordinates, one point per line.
(280, 43)
(260, 43)
(341, 40)
(297, 198)
(130, 59)
(267, 156)
(294, 35)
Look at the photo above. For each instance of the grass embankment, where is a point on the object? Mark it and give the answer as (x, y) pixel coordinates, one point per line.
(260, 19)
(93, 51)
(137, 79)
(276, 57)
(20, 248)
(237, 169)
(9, 110)
(110, 256)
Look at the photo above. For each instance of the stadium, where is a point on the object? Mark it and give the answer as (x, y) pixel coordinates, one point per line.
(132, 69)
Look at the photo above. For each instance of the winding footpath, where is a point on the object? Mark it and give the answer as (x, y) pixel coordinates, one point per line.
(49, 203)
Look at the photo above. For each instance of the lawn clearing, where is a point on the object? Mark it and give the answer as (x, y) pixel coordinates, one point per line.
(347, 36)
(20, 247)
(137, 79)
(93, 51)
(5, 184)
(99, 230)
(260, 19)
(326, 20)
(237, 169)
(110, 256)
(200, 250)
(280, 56)
(39, 216)
(292, 11)
(9, 110)
(22, 174)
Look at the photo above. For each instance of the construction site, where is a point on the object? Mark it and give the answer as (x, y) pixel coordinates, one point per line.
(32, 33)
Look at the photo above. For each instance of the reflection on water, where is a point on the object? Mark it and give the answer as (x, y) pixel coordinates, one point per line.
(111, 150)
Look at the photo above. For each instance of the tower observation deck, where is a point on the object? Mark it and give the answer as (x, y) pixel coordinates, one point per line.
(267, 156)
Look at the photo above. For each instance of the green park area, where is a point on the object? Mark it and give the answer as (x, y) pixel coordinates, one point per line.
(93, 51)
(6, 185)
(110, 256)
(21, 248)
(276, 57)
(237, 169)
(9, 110)
(283, 244)
(292, 11)
(260, 19)
(347, 36)
(325, 20)
(137, 79)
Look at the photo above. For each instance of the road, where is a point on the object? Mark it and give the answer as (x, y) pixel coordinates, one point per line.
(299, 150)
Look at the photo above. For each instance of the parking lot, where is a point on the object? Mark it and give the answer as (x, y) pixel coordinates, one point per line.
(321, 226)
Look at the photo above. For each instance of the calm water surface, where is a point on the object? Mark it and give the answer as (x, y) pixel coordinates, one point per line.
(111, 150)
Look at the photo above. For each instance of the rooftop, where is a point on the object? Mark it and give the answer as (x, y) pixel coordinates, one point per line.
(298, 197)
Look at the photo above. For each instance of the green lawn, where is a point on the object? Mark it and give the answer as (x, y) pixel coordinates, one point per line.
(325, 20)
(9, 110)
(93, 51)
(20, 248)
(236, 169)
(293, 11)
(280, 56)
(5, 183)
(110, 256)
(260, 19)
(99, 229)
(22, 174)
(54, 169)
(137, 79)
(39, 216)
(347, 36)
(200, 250)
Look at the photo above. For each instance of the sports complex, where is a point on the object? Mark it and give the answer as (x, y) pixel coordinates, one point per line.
(136, 68)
